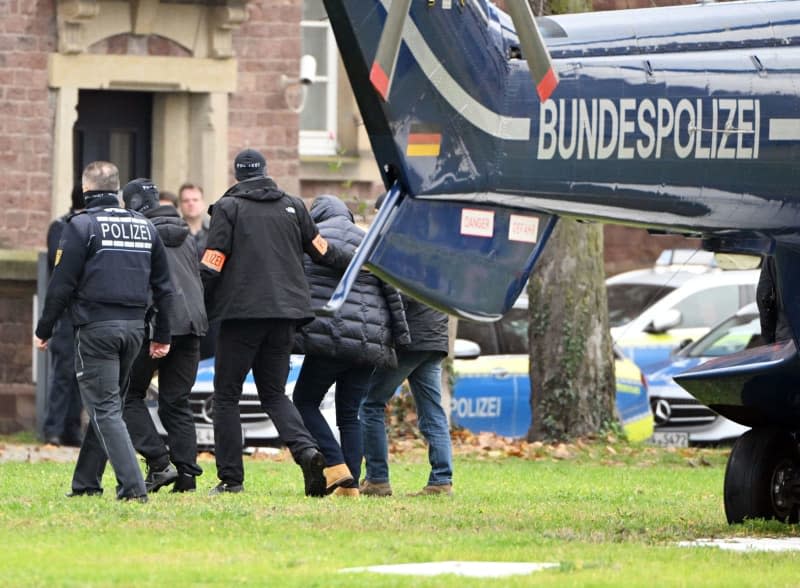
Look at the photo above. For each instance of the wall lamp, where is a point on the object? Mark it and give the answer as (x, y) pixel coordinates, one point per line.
(308, 73)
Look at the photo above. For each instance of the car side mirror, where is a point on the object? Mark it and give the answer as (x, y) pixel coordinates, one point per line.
(665, 321)
(466, 349)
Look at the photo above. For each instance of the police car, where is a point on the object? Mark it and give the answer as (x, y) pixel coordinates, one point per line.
(258, 430)
(653, 311)
(680, 419)
(492, 392)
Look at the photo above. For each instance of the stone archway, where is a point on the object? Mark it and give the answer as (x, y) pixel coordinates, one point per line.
(190, 118)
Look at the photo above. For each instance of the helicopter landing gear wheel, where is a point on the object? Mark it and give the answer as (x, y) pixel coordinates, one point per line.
(762, 477)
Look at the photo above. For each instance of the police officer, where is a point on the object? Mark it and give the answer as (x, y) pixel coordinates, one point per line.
(254, 282)
(108, 261)
(62, 423)
(176, 371)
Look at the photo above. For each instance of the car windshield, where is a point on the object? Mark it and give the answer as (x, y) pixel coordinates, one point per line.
(628, 301)
(735, 334)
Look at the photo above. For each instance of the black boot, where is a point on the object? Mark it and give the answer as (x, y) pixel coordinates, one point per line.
(312, 463)
(185, 483)
(159, 476)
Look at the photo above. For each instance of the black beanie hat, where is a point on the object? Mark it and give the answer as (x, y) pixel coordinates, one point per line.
(249, 164)
(140, 195)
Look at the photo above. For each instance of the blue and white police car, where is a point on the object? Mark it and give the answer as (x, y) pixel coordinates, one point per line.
(492, 392)
(680, 419)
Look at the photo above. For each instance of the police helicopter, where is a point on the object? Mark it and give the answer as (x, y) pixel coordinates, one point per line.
(489, 126)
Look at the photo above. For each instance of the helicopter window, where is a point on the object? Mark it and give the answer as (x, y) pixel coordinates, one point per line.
(550, 29)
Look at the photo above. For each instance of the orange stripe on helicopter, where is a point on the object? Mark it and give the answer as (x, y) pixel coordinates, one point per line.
(424, 144)
(546, 85)
(380, 80)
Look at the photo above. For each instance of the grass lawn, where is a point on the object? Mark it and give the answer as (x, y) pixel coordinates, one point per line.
(609, 515)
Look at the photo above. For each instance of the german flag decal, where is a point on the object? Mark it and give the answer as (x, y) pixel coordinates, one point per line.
(423, 142)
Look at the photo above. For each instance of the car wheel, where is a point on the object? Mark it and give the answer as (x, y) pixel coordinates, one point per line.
(761, 469)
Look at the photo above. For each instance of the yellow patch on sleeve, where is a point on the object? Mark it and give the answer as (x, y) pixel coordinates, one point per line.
(214, 259)
(320, 244)
(58, 256)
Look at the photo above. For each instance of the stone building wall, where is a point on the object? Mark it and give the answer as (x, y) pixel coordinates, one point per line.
(27, 36)
(267, 45)
(17, 402)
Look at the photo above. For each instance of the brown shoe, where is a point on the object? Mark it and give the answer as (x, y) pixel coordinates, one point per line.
(368, 488)
(439, 490)
(346, 492)
(335, 476)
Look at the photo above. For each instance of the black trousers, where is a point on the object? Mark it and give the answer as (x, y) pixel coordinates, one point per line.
(104, 354)
(63, 418)
(264, 345)
(176, 375)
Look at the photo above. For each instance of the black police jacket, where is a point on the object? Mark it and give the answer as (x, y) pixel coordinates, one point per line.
(371, 321)
(188, 308)
(252, 267)
(108, 261)
(54, 238)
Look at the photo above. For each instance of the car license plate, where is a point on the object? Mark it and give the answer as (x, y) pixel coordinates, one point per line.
(670, 439)
(205, 437)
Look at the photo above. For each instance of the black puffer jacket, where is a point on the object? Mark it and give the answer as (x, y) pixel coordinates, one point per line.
(371, 322)
(188, 314)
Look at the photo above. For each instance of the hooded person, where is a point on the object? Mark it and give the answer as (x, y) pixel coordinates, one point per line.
(344, 349)
(175, 461)
(255, 285)
(110, 268)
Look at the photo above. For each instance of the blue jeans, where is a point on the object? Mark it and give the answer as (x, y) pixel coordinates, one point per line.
(316, 376)
(424, 372)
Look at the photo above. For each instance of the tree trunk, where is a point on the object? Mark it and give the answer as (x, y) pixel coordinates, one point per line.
(571, 359)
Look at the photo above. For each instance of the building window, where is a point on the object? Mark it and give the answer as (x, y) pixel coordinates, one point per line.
(318, 119)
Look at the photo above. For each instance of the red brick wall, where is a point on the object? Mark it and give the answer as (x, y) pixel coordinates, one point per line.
(17, 400)
(27, 35)
(627, 248)
(267, 45)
